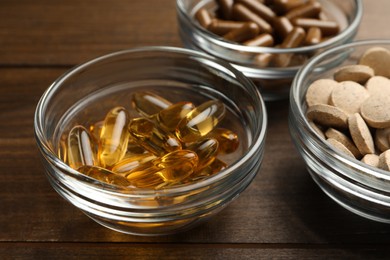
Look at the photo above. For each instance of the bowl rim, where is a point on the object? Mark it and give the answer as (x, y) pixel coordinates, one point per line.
(298, 111)
(336, 40)
(43, 142)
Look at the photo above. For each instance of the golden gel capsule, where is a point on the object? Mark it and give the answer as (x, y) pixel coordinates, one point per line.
(80, 148)
(151, 137)
(148, 104)
(104, 175)
(172, 167)
(200, 121)
(114, 137)
(95, 129)
(170, 117)
(206, 149)
(215, 167)
(131, 162)
(133, 148)
(227, 139)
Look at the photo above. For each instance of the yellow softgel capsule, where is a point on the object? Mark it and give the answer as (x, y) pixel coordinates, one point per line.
(95, 129)
(148, 103)
(114, 137)
(172, 167)
(104, 175)
(200, 121)
(151, 137)
(129, 163)
(170, 117)
(216, 166)
(80, 148)
(206, 149)
(227, 139)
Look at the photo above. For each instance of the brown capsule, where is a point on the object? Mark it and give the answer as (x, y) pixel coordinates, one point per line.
(245, 32)
(265, 40)
(283, 6)
(221, 27)
(242, 13)
(225, 8)
(282, 27)
(313, 36)
(259, 8)
(294, 39)
(104, 175)
(310, 10)
(327, 28)
(263, 59)
(203, 16)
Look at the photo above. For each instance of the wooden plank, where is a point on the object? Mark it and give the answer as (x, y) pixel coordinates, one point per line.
(184, 251)
(72, 31)
(282, 205)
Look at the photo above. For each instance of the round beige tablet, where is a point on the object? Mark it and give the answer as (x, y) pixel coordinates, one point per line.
(356, 73)
(382, 139)
(332, 133)
(371, 159)
(327, 115)
(376, 111)
(378, 85)
(378, 58)
(317, 129)
(384, 160)
(360, 134)
(339, 146)
(319, 91)
(348, 96)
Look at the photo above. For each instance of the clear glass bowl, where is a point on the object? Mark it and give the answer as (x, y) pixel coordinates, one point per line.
(360, 188)
(273, 82)
(87, 92)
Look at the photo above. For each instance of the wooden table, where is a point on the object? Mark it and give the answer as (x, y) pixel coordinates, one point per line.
(283, 214)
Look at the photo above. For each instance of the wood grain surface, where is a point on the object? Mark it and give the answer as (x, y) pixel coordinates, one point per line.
(283, 213)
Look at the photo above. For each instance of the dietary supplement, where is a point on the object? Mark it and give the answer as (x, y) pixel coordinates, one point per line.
(168, 144)
(352, 110)
(280, 24)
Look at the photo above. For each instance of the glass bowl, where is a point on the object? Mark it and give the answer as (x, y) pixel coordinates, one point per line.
(87, 92)
(358, 187)
(273, 82)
